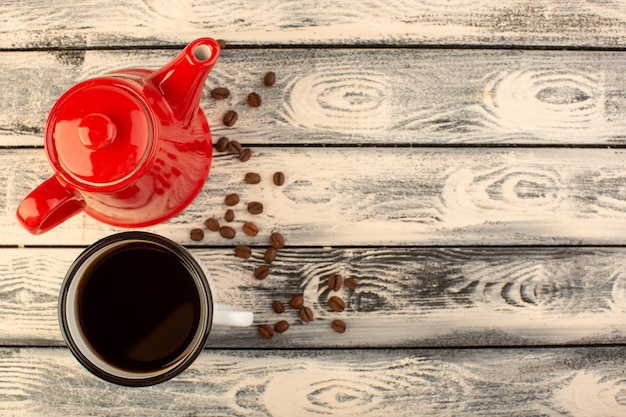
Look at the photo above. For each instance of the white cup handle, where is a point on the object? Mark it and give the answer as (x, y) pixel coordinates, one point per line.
(227, 315)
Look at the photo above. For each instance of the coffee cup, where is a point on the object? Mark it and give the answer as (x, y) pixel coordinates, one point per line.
(136, 309)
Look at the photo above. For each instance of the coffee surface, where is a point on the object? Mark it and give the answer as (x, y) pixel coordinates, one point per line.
(139, 307)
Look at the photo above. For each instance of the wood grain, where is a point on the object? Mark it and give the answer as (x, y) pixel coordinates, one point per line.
(408, 297)
(549, 382)
(361, 96)
(94, 23)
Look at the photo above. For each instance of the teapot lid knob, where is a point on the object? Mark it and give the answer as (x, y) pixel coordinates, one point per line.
(96, 130)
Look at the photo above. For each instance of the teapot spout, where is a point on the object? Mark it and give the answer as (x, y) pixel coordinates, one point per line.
(182, 79)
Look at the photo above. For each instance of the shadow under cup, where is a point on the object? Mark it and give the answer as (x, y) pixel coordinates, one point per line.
(136, 309)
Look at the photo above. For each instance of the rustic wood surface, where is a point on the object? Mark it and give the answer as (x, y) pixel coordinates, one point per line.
(462, 160)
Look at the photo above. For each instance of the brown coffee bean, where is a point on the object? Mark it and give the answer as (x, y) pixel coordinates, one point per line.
(269, 79)
(197, 235)
(212, 224)
(220, 93)
(281, 326)
(221, 43)
(227, 232)
(336, 304)
(255, 207)
(279, 178)
(230, 118)
(231, 199)
(234, 147)
(243, 251)
(277, 241)
(261, 272)
(222, 144)
(306, 314)
(339, 326)
(334, 282)
(350, 284)
(250, 229)
(270, 255)
(229, 216)
(254, 100)
(296, 301)
(245, 154)
(278, 307)
(253, 178)
(266, 331)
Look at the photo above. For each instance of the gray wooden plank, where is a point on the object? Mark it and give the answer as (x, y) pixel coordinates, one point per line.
(90, 23)
(406, 297)
(361, 96)
(526, 382)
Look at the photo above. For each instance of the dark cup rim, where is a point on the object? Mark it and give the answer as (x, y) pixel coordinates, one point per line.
(188, 260)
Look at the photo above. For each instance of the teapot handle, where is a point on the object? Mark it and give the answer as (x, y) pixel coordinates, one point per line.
(48, 205)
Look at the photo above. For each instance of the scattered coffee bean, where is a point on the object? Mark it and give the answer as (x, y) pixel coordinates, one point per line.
(277, 241)
(229, 216)
(296, 301)
(335, 281)
(281, 326)
(231, 199)
(245, 154)
(350, 284)
(261, 272)
(255, 207)
(278, 307)
(221, 43)
(234, 147)
(266, 331)
(339, 326)
(279, 178)
(270, 255)
(269, 79)
(197, 235)
(227, 232)
(336, 304)
(243, 251)
(220, 93)
(222, 144)
(254, 100)
(250, 229)
(212, 224)
(306, 314)
(253, 178)
(230, 118)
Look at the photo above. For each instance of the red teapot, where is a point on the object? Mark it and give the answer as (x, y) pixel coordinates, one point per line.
(130, 149)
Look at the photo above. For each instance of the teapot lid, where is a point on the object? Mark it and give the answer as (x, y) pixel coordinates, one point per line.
(99, 133)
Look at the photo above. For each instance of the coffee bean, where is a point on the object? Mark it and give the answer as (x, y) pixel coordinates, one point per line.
(270, 255)
(250, 229)
(197, 235)
(229, 216)
(254, 100)
(255, 207)
(234, 147)
(266, 331)
(221, 43)
(269, 79)
(277, 241)
(261, 272)
(279, 178)
(350, 284)
(245, 154)
(278, 307)
(306, 314)
(339, 326)
(281, 326)
(243, 251)
(212, 224)
(336, 304)
(334, 282)
(222, 144)
(230, 118)
(296, 301)
(253, 178)
(227, 232)
(220, 93)
(231, 199)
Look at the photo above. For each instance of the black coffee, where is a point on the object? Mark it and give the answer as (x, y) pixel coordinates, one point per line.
(139, 307)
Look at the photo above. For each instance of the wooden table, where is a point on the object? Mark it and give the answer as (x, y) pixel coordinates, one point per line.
(462, 160)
